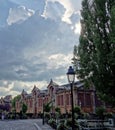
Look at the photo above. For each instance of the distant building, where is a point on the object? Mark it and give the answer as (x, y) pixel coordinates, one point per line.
(5, 103)
(59, 96)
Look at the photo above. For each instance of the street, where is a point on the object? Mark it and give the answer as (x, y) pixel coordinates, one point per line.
(29, 124)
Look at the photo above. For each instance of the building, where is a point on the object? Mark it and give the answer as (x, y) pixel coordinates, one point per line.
(5, 103)
(59, 96)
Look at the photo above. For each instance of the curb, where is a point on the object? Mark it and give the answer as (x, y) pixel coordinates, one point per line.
(38, 128)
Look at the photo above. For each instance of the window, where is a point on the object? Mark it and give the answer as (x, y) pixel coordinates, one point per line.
(81, 99)
(67, 99)
(61, 100)
(88, 99)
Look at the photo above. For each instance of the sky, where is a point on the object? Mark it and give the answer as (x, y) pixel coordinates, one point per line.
(36, 42)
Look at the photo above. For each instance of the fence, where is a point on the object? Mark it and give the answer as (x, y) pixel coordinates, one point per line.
(95, 124)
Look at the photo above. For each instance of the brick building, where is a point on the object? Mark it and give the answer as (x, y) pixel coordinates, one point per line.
(59, 96)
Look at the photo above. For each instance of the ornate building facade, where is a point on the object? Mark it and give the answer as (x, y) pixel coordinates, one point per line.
(59, 96)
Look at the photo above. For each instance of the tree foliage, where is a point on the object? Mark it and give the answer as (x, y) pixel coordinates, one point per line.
(57, 109)
(47, 107)
(24, 108)
(94, 57)
(14, 100)
(100, 112)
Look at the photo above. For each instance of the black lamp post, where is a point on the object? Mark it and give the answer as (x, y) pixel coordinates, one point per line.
(71, 78)
(43, 110)
(15, 113)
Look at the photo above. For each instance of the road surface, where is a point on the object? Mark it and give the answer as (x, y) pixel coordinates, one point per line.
(29, 124)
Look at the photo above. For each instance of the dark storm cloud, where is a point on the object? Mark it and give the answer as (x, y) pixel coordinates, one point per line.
(36, 34)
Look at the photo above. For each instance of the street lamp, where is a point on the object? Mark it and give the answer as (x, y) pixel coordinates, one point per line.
(15, 113)
(43, 109)
(71, 78)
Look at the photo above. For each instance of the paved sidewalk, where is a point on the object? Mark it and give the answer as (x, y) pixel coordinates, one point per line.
(40, 126)
(18, 124)
(25, 124)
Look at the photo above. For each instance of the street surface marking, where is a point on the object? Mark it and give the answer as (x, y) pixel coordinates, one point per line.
(37, 126)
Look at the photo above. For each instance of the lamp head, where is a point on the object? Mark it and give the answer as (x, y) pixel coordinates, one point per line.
(71, 74)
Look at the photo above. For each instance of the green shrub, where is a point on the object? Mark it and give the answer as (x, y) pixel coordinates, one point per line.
(52, 123)
(47, 115)
(100, 112)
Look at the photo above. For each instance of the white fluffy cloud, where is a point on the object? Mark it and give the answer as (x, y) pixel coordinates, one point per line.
(15, 87)
(19, 14)
(71, 6)
(56, 61)
(66, 10)
(53, 10)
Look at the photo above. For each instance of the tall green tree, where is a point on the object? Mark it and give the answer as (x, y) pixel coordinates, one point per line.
(24, 108)
(14, 101)
(47, 107)
(94, 57)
